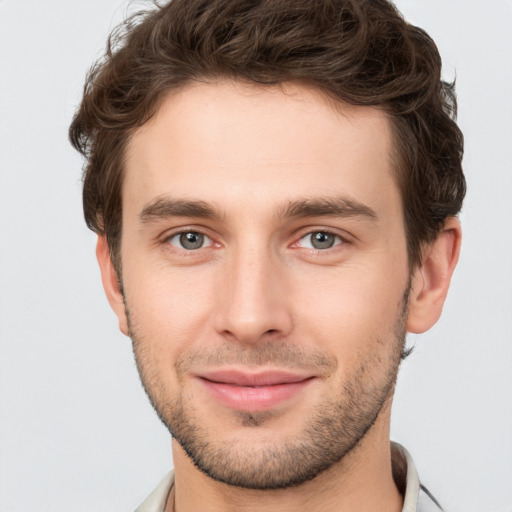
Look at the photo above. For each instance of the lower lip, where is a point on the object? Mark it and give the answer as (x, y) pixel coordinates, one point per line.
(246, 398)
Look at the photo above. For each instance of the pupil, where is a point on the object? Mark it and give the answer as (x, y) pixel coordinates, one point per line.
(191, 240)
(321, 240)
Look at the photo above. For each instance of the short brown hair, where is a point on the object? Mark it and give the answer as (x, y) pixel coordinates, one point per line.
(359, 51)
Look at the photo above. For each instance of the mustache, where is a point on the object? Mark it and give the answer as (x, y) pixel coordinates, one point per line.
(280, 354)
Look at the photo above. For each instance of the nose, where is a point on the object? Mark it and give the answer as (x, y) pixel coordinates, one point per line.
(253, 303)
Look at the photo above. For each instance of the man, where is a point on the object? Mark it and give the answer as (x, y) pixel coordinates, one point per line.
(275, 186)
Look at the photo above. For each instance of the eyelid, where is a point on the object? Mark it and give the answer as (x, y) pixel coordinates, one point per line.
(208, 242)
(344, 240)
(169, 235)
(337, 242)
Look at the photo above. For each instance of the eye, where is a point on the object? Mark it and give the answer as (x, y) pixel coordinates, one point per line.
(190, 240)
(320, 240)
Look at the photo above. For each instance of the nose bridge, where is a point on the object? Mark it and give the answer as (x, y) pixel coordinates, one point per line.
(252, 302)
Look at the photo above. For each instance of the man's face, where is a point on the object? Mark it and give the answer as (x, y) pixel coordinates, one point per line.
(265, 274)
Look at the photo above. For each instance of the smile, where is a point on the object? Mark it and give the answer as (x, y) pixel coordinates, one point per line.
(253, 391)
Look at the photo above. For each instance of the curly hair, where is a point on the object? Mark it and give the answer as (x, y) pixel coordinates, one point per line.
(361, 52)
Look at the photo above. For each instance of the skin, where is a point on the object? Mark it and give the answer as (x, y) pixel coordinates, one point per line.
(257, 295)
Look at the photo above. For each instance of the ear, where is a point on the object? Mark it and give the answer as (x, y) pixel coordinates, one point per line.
(431, 280)
(111, 283)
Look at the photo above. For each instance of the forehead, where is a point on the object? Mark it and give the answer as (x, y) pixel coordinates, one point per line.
(223, 142)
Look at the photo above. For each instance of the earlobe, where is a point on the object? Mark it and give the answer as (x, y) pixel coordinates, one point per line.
(111, 283)
(431, 280)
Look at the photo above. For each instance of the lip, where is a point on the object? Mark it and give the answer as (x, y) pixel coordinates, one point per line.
(253, 391)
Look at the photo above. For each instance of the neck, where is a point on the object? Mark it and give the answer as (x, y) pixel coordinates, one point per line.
(362, 481)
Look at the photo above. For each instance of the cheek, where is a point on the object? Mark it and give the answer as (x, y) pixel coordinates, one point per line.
(351, 310)
(168, 309)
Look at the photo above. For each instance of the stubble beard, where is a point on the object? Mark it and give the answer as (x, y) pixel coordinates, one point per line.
(335, 428)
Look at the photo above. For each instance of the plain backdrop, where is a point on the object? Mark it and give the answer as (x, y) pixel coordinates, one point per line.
(76, 431)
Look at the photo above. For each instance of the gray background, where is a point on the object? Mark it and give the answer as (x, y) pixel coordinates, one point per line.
(76, 432)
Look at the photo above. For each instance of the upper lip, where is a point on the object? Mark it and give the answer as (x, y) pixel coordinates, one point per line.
(259, 378)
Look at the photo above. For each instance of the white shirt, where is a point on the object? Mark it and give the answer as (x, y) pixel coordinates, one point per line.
(416, 499)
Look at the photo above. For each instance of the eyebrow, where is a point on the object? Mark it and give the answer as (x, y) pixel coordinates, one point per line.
(341, 206)
(165, 208)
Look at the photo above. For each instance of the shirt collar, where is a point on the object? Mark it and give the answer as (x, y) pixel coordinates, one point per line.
(402, 460)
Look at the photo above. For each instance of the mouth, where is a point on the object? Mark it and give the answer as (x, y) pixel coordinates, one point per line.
(254, 391)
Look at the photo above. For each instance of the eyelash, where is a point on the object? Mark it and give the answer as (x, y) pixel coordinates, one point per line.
(339, 240)
(182, 232)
